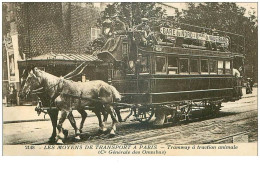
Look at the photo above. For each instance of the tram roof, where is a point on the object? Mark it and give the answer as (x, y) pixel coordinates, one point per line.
(64, 57)
(59, 59)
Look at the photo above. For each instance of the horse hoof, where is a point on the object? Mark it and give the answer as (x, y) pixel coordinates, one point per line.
(77, 138)
(59, 142)
(103, 130)
(111, 135)
(52, 139)
(66, 133)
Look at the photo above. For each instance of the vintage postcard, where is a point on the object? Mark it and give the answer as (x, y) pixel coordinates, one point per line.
(130, 78)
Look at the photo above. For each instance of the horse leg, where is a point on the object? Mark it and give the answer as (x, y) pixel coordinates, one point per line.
(60, 135)
(74, 125)
(118, 115)
(109, 109)
(101, 124)
(83, 116)
(105, 114)
(53, 113)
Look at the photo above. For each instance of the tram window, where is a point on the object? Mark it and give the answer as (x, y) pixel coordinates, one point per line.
(172, 65)
(227, 67)
(131, 67)
(204, 66)
(220, 67)
(213, 67)
(194, 66)
(160, 64)
(144, 64)
(184, 65)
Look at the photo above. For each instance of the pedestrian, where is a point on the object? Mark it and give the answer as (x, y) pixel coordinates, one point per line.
(12, 95)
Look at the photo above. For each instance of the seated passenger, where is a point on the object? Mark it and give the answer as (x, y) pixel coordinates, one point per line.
(145, 29)
(118, 27)
(107, 27)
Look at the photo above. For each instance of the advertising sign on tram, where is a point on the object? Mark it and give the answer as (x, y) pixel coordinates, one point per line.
(193, 35)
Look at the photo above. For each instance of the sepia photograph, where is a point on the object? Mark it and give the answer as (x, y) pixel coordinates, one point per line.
(130, 78)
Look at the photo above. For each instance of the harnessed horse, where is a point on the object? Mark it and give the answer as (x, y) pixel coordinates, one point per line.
(67, 95)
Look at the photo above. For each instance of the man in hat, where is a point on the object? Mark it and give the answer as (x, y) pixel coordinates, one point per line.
(145, 29)
(118, 27)
(107, 26)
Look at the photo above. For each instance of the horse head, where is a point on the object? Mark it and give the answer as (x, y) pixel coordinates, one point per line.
(30, 80)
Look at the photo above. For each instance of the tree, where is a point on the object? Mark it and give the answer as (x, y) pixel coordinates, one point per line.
(133, 12)
(130, 13)
(226, 17)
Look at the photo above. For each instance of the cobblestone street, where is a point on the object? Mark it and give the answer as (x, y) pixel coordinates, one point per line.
(235, 118)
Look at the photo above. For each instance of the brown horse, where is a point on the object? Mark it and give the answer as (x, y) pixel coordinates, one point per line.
(68, 95)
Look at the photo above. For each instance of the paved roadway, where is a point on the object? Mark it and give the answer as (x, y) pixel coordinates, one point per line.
(235, 118)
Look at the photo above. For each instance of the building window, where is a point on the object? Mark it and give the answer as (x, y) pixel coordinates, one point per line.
(160, 64)
(184, 65)
(95, 32)
(220, 67)
(172, 65)
(194, 66)
(204, 66)
(213, 67)
(227, 67)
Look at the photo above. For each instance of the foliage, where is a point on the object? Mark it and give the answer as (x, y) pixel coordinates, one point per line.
(132, 12)
(226, 17)
(223, 16)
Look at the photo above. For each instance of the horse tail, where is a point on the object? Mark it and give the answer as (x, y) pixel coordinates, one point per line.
(116, 94)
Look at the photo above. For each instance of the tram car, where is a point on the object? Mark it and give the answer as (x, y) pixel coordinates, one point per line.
(174, 71)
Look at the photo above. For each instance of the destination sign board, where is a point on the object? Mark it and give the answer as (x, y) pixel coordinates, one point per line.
(193, 35)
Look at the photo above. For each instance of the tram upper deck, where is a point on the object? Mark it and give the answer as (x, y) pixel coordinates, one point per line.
(174, 67)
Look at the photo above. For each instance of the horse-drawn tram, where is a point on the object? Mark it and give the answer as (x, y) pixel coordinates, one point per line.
(167, 71)
(173, 71)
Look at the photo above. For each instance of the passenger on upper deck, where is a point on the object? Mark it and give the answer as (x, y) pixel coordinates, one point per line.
(107, 26)
(145, 30)
(118, 27)
(214, 44)
(144, 27)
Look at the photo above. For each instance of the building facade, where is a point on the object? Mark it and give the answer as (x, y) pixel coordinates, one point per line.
(32, 29)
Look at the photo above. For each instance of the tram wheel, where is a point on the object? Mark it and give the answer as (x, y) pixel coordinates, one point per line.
(186, 112)
(144, 115)
(212, 109)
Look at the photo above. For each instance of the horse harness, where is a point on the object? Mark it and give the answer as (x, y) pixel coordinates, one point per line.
(41, 90)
